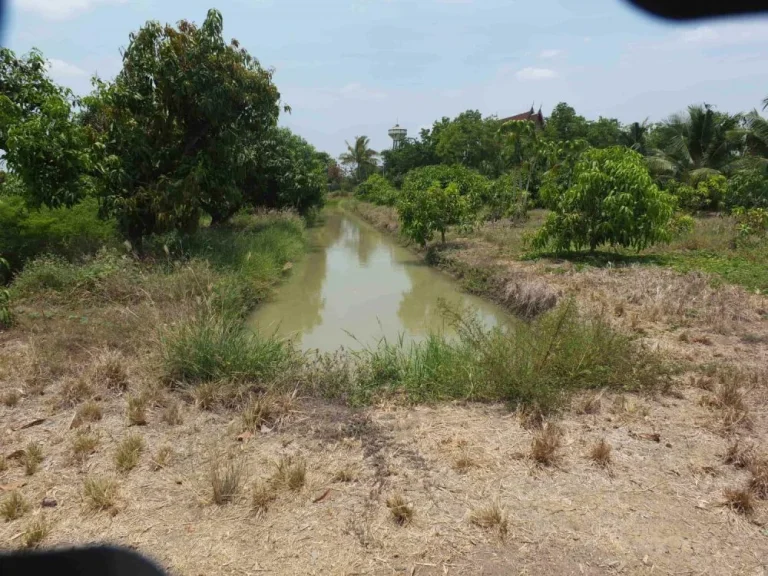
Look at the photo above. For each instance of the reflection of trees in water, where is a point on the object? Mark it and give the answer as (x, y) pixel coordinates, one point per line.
(418, 309)
(360, 240)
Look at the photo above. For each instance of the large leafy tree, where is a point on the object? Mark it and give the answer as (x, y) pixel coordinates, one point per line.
(424, 211)
(176, 124)
(612, 200)
(39, 137)
(604, 132)
(469, 140)
(360, 157)
(565, 124)
(412, 153)
(695, 144)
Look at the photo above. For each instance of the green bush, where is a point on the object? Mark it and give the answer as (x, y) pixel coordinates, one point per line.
(505, 198)
(68, 232)
(378, 190)
(747, 189)
(422, 212)
(707, 194)
(613, 200)
(752, 222)
(6, 314)
(469, 182)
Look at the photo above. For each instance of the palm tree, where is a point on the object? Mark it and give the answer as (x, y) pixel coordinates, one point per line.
(753, 136)
(360, 157)
(695, 144)
(635, 135)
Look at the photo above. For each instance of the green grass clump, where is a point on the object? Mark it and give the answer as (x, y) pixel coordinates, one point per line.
(210, 347)
(530, 364)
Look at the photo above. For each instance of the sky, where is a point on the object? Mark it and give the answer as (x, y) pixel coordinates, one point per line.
(356, 67)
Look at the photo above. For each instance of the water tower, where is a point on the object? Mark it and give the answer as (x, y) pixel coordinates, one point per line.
(398, 136)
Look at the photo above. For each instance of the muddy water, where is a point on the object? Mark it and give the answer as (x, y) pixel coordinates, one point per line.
(357, 285)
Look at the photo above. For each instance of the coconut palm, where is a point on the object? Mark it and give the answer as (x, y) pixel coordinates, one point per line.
(635, 136)
(362, 159)
(753, 136)
(696, 144)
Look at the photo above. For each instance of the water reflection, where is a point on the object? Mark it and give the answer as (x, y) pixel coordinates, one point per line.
(357, 285)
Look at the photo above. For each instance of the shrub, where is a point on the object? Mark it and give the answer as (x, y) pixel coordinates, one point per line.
(751, 222)
(378, 190)
(423, 212)
(67, 232)
(505, 198)
(747, 189)
(613, 200)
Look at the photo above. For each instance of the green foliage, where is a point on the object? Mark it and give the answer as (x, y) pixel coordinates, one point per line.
(360, 157)
(469, 182)
(43, 144)
(747, 189)
(68, 232)
(533, 364)
(423, 212)
(176, 124)
(378, 190)
(612, 201)
(412, 153)
(285, 171)
(505, 198)
(469, 140)
(751, 222)
(707, 194)
(604, 132)
(6, 314)
(564, 124)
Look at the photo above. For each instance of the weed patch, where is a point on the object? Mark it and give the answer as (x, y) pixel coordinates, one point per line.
(600, 453)
(226, 480)
(491, 517)
(545, 446)
(100, 493)
(128, 452)
(400, 509)
(13, 506)
(33, 456)
(36, 531)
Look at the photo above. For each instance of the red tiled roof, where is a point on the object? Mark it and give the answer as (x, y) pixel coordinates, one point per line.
(529, 115)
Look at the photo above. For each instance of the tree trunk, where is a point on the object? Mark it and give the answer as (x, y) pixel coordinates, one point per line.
(442, 234)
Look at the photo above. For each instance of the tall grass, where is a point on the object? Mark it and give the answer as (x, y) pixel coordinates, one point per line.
(532, 364)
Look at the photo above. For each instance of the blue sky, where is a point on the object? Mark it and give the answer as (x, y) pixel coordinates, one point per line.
(350, 67)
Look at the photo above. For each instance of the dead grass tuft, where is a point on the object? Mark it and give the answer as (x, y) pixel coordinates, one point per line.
(259, 411)
(531, 418)
(463, 462)
(546, 445)
(162, 458)
(226, 479)
(13, 506)
(591, 403)
(262, 495)
(600, 453)
(529, 298)
(172, 414)
(128, 452)
(491, 517)
(758, 482)
(3, 464)
(290, 472)
(109, 371)
(739, 456)
(100, 493)
(136, 410)
(206, 395)
(73, 392)
(10, 398)
(729, 398)
(83, 445)
(36, 531)
(739, 500)
(346, 474)
(88, 412)
(401, 510)
(33, 456)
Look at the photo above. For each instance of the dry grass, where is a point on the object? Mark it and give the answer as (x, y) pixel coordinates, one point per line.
(128, 452)
(401, 510)
(758, 481)
(346, 474)
(109, 371)
(88, 412)
(13, 506)
(100, 493)
(83, 445)
(529, 298)
(491, 517)
(739, 500)
(3, 464)
(259, 411)
(136, 410)
(262, 495)
(226, 480)
(33, 456)
(546, 445)
(739, 456)
(600, 453)
(162, 458)
(10, 398)
(172, 414)
(36, 531)
(590, 404)
(463, 462)
(730, 399)
(290, 472)
(531, 418)
(206, 395)
(73, 392)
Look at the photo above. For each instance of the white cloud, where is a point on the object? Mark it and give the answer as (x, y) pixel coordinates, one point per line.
(729, 34)
(357, 91)
(62, 70)
(535, 74)
(60, 9)
(700, 34)
(551, 53)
